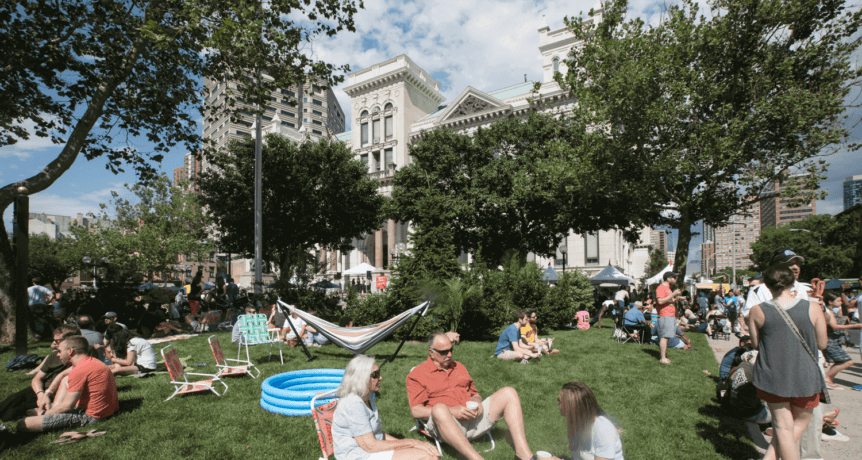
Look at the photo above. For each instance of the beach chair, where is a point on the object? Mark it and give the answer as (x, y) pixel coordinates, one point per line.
(322, 416)
(253, 331)
(179, 377)
(226, 370)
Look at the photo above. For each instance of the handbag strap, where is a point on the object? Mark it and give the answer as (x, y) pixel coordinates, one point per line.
(793, 328)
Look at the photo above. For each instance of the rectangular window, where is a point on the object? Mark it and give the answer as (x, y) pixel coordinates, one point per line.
(266, 118)
(288, 124)
(243, 133)
(305, 99)
(305, 120)
(290, 114)
(592, 248)
(317, 112)
(316, 102)
(388, 128)
(376, 160)
(316, 132)
(387, 155)
(364, 158)
(288, 93)
(317, 122)
(375, 132)
(271, 109)
(364, 134)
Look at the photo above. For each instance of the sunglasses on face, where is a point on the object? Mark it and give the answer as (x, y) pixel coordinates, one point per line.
(376, 374)
(442, 352)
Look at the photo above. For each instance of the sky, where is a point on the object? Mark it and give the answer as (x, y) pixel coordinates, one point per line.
(484, 44)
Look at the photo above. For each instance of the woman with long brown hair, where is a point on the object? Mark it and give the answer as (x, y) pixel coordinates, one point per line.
(591, 435)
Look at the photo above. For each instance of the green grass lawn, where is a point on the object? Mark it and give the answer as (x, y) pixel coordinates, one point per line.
(666, 412)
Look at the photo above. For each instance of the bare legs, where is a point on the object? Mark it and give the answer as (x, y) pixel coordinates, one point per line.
(788, 425)
(835, 369)
(662, 347)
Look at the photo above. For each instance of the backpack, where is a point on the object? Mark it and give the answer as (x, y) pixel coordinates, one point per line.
(23, 362)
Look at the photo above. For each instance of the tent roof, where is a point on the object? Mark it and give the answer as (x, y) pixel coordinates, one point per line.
(658, 278)
(611, 275)
(550, 274)
(360, 269)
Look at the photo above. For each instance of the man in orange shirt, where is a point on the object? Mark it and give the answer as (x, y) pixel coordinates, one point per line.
(665, 295)
(441, 392)
(87, 395)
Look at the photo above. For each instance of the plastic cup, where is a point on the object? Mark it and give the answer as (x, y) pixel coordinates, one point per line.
(543, 454)
(472, 405)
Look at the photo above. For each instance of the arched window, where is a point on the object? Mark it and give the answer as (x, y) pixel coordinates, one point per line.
(556, 65)
(388, 106)
(364, 113)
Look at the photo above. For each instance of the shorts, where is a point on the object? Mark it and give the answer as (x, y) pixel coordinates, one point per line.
(471, 429)
(385, 455)
(805, 402)
(143, 369)
(508, 355)
(666, 327)
(702, 328)
(834, 353)
(75, 419)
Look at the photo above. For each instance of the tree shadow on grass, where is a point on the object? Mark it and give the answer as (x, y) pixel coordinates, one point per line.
(128, 406)
(731, 439)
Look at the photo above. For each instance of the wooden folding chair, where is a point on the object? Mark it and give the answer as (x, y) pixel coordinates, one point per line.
(322, 416)
(181, 382)
(226, 370)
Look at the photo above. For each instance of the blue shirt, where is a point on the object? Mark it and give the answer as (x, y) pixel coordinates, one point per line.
(633, 317)
(352, 418)
(509, 335)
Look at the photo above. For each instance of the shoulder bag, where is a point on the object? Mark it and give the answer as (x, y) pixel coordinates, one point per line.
(824, 393)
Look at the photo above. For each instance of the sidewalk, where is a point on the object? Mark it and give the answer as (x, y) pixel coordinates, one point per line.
(847, 400)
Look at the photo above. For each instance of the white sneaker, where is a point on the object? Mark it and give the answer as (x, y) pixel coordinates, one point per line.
(525, 361)
(837, 437)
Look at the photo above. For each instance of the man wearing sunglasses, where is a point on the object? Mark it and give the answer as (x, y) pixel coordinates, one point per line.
(442, 394)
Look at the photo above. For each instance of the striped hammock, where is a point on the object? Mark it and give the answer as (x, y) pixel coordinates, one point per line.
(355, 339)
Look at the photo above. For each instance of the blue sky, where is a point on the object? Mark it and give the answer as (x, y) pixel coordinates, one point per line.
(484, 44)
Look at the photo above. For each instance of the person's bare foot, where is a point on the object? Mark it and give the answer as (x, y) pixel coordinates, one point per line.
(554, 352)
(665, 361)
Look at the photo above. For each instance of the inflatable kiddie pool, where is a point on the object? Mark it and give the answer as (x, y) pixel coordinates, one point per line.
(290, 393)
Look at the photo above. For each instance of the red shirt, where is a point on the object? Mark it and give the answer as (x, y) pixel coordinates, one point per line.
(664, 309)
(428, 385)
(97, 386)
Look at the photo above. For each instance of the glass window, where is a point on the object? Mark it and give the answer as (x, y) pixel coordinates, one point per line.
(556, 64)
(288, 124)
(388, 158)
(305, 99)
(316, 112)
(364, 113)
(375, 132)
(317, 122)
(290, 114)
(388, 128)
(316, 102)
(388, 106)
(592, 248)
(364, 134)
(376, 156)
(364, 158)
(316, 132)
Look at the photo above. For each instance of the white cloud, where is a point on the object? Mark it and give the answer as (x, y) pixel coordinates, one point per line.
(23, 149)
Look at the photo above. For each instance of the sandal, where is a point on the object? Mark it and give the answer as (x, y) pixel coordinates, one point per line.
(74, 436)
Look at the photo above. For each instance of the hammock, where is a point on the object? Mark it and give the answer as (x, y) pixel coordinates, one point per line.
(355, 339)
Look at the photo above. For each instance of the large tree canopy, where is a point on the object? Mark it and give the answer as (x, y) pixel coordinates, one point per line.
(520, 184)
(314, 195)
(95, 75)
(714, 108)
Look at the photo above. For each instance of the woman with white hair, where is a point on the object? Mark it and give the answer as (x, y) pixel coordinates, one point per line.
(357, 430)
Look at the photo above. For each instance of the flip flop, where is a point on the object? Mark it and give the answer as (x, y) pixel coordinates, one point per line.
(74, 436)
(834, 387)
(857, 387)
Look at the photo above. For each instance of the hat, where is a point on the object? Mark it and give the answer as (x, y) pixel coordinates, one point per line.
(670, 275)
(783, 256)
(110, 314)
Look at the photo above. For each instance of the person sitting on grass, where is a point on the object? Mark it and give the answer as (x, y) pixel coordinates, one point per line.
(530, 335)
(276, 320)
(127, 354)
(591, 434)
(357, 431)
(730, 356)
(236, 333)
(50, 370)
(509, 347)
(87, 395)
(684, 323)
(679, 341)
(441, 392)
(316, 338)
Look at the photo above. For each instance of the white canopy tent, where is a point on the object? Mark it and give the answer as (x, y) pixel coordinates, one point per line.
(657, 279)
(360, 269)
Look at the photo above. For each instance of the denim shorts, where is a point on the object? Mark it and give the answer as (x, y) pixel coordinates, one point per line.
(834, 353)
(78, 418)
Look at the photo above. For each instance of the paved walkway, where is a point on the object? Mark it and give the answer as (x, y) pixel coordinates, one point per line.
(849, 402)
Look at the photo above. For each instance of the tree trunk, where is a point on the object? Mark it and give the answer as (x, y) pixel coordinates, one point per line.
(680, 259)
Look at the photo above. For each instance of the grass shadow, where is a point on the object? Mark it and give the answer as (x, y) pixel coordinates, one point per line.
(652, 352)
(127, 406)
(731, 439)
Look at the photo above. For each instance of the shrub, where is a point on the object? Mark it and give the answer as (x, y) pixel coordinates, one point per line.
(572, 293)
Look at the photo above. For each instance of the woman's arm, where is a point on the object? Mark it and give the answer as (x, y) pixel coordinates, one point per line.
(131, 356)
(831, 322)
(755, 321)
(815, 312)
(370, 444)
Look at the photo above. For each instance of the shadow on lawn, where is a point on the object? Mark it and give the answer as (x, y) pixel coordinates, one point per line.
(128, 406)
(652, 352)
(731, 437)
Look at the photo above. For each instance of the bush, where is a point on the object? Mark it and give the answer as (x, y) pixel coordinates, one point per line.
(572, 293)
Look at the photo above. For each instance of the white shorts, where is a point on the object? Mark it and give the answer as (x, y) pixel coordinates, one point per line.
(385, 455)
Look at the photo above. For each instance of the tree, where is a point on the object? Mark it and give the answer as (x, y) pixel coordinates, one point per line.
(740, 273)
(714, 109)
(135, 70)
(518, 184)
(145, 236)
(53, 260)
(827, 244)
(315, 195)
(657, 262)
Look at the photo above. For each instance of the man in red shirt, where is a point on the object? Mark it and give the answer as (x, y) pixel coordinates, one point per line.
(440, 391)
(87, 395)
(666, 312)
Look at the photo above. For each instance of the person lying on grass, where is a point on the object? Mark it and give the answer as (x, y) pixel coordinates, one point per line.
(86, 396)
(509, 346)
(357, 431)
(591, 434)
(127, 354)
(441, 393)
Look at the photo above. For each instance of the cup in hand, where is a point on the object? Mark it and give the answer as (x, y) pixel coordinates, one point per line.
(472, 405)
(543, 454)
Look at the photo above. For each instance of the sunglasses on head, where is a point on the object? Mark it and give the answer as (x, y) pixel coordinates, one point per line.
(375, 374)
(443, 352)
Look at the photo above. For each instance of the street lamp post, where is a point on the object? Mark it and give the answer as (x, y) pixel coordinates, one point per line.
(564, 248)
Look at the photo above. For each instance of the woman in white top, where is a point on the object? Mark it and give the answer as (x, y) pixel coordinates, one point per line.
(128, 355)
(357, 431)
(591, 435)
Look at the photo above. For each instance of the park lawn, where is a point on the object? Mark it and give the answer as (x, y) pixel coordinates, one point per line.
(665, 412)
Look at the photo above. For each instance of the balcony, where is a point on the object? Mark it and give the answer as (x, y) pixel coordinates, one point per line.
(387, 173)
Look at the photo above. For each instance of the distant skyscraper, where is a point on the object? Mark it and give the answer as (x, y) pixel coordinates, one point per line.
(774, 211)
(852, 191)
(658, 239)
(190, 170)
(735, 238)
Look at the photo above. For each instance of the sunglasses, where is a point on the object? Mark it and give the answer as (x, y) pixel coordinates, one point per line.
(376, 374)
(443, 352)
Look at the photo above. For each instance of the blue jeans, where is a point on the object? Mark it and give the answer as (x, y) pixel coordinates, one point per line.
(317, 338)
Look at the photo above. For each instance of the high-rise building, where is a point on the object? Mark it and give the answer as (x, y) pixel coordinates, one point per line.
(658, 239)
(733, 241)
(707, 258)
(775, 210)
(189, 171)
(289, 110)
(852, 191)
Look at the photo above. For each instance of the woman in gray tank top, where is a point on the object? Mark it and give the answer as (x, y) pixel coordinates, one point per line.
(785, 375)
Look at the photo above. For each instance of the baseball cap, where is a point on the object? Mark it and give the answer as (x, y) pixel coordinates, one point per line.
(670, 275)
(110, 314)
(783, 256)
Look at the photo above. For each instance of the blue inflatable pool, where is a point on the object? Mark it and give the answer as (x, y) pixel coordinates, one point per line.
(290, 393)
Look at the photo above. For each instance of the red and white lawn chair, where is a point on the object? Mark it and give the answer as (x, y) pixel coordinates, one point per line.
(181, 382)
(322, 416)
(226, 370)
